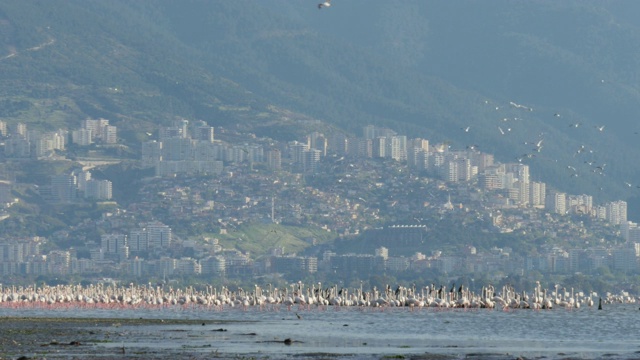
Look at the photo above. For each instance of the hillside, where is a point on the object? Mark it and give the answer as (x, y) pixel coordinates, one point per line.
(425, 69)
(65, 62)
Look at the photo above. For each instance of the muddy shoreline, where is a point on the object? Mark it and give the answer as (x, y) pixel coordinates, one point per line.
(137, 338)
(194, 339)
(96, 338)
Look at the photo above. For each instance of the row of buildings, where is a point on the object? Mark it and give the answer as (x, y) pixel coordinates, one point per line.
(23, 257)
(70, 188)
(19, 142)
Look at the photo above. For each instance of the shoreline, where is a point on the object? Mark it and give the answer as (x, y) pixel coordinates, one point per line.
(116, 338)
(283, 336)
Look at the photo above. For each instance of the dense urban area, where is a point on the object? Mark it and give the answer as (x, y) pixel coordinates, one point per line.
(193, 205)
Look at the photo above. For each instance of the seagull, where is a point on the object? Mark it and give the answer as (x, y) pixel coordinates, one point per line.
(528, 156)
(518, 106)
(466, 129)
(600, 128)
(324, 4)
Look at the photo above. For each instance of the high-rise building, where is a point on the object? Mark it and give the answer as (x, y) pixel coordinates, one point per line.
(99, 190)
(255, 153)
(634, 235)
(297, 150)
(64, 188)
(379, 147)
(114, 243)
(204, 133)
(626, 227)
(97, 128)
(617, 212)
(274, 159)
(214, 265)
(311, 160)
(3, 129)
(151, 152)
(449, 172)
(398, 148)
(82, 137)
(20, 130)
(159, 236)
(523, 192)
(464, 169)
(177, 149)
(626, 258)
(537, 194)
(520, 171)
(338, 143)
(369, 132)
(317, 141)
(139, 240)
(110, 134)
(558, 203)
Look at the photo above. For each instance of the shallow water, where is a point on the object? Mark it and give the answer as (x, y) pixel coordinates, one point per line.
(371, 333)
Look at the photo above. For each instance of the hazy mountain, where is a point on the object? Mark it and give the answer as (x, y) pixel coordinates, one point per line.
(423, 68)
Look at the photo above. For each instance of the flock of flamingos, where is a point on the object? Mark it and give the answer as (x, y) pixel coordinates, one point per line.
(300, 296)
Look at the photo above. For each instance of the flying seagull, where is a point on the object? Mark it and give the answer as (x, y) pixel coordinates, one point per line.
(324, 4)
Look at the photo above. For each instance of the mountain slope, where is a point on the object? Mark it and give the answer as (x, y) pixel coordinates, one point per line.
(423, 68)
(428, 68)
(89, 58)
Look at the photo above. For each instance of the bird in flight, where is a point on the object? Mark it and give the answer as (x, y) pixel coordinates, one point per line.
(324, 4)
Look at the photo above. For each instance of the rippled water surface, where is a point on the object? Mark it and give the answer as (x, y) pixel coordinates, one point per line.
(613, 332)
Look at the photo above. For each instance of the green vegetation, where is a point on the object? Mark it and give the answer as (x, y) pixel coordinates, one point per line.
(259, 239)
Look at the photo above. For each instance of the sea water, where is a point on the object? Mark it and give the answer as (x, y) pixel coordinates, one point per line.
(585, 333)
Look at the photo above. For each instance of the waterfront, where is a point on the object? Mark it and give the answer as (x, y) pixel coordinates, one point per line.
(335, 332)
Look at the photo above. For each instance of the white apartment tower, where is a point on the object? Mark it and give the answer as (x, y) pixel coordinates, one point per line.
(537, 194)
(159, 235)
(138, 240)
(397, 147)
(559, 203)
(317, 141)
(617, 212)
